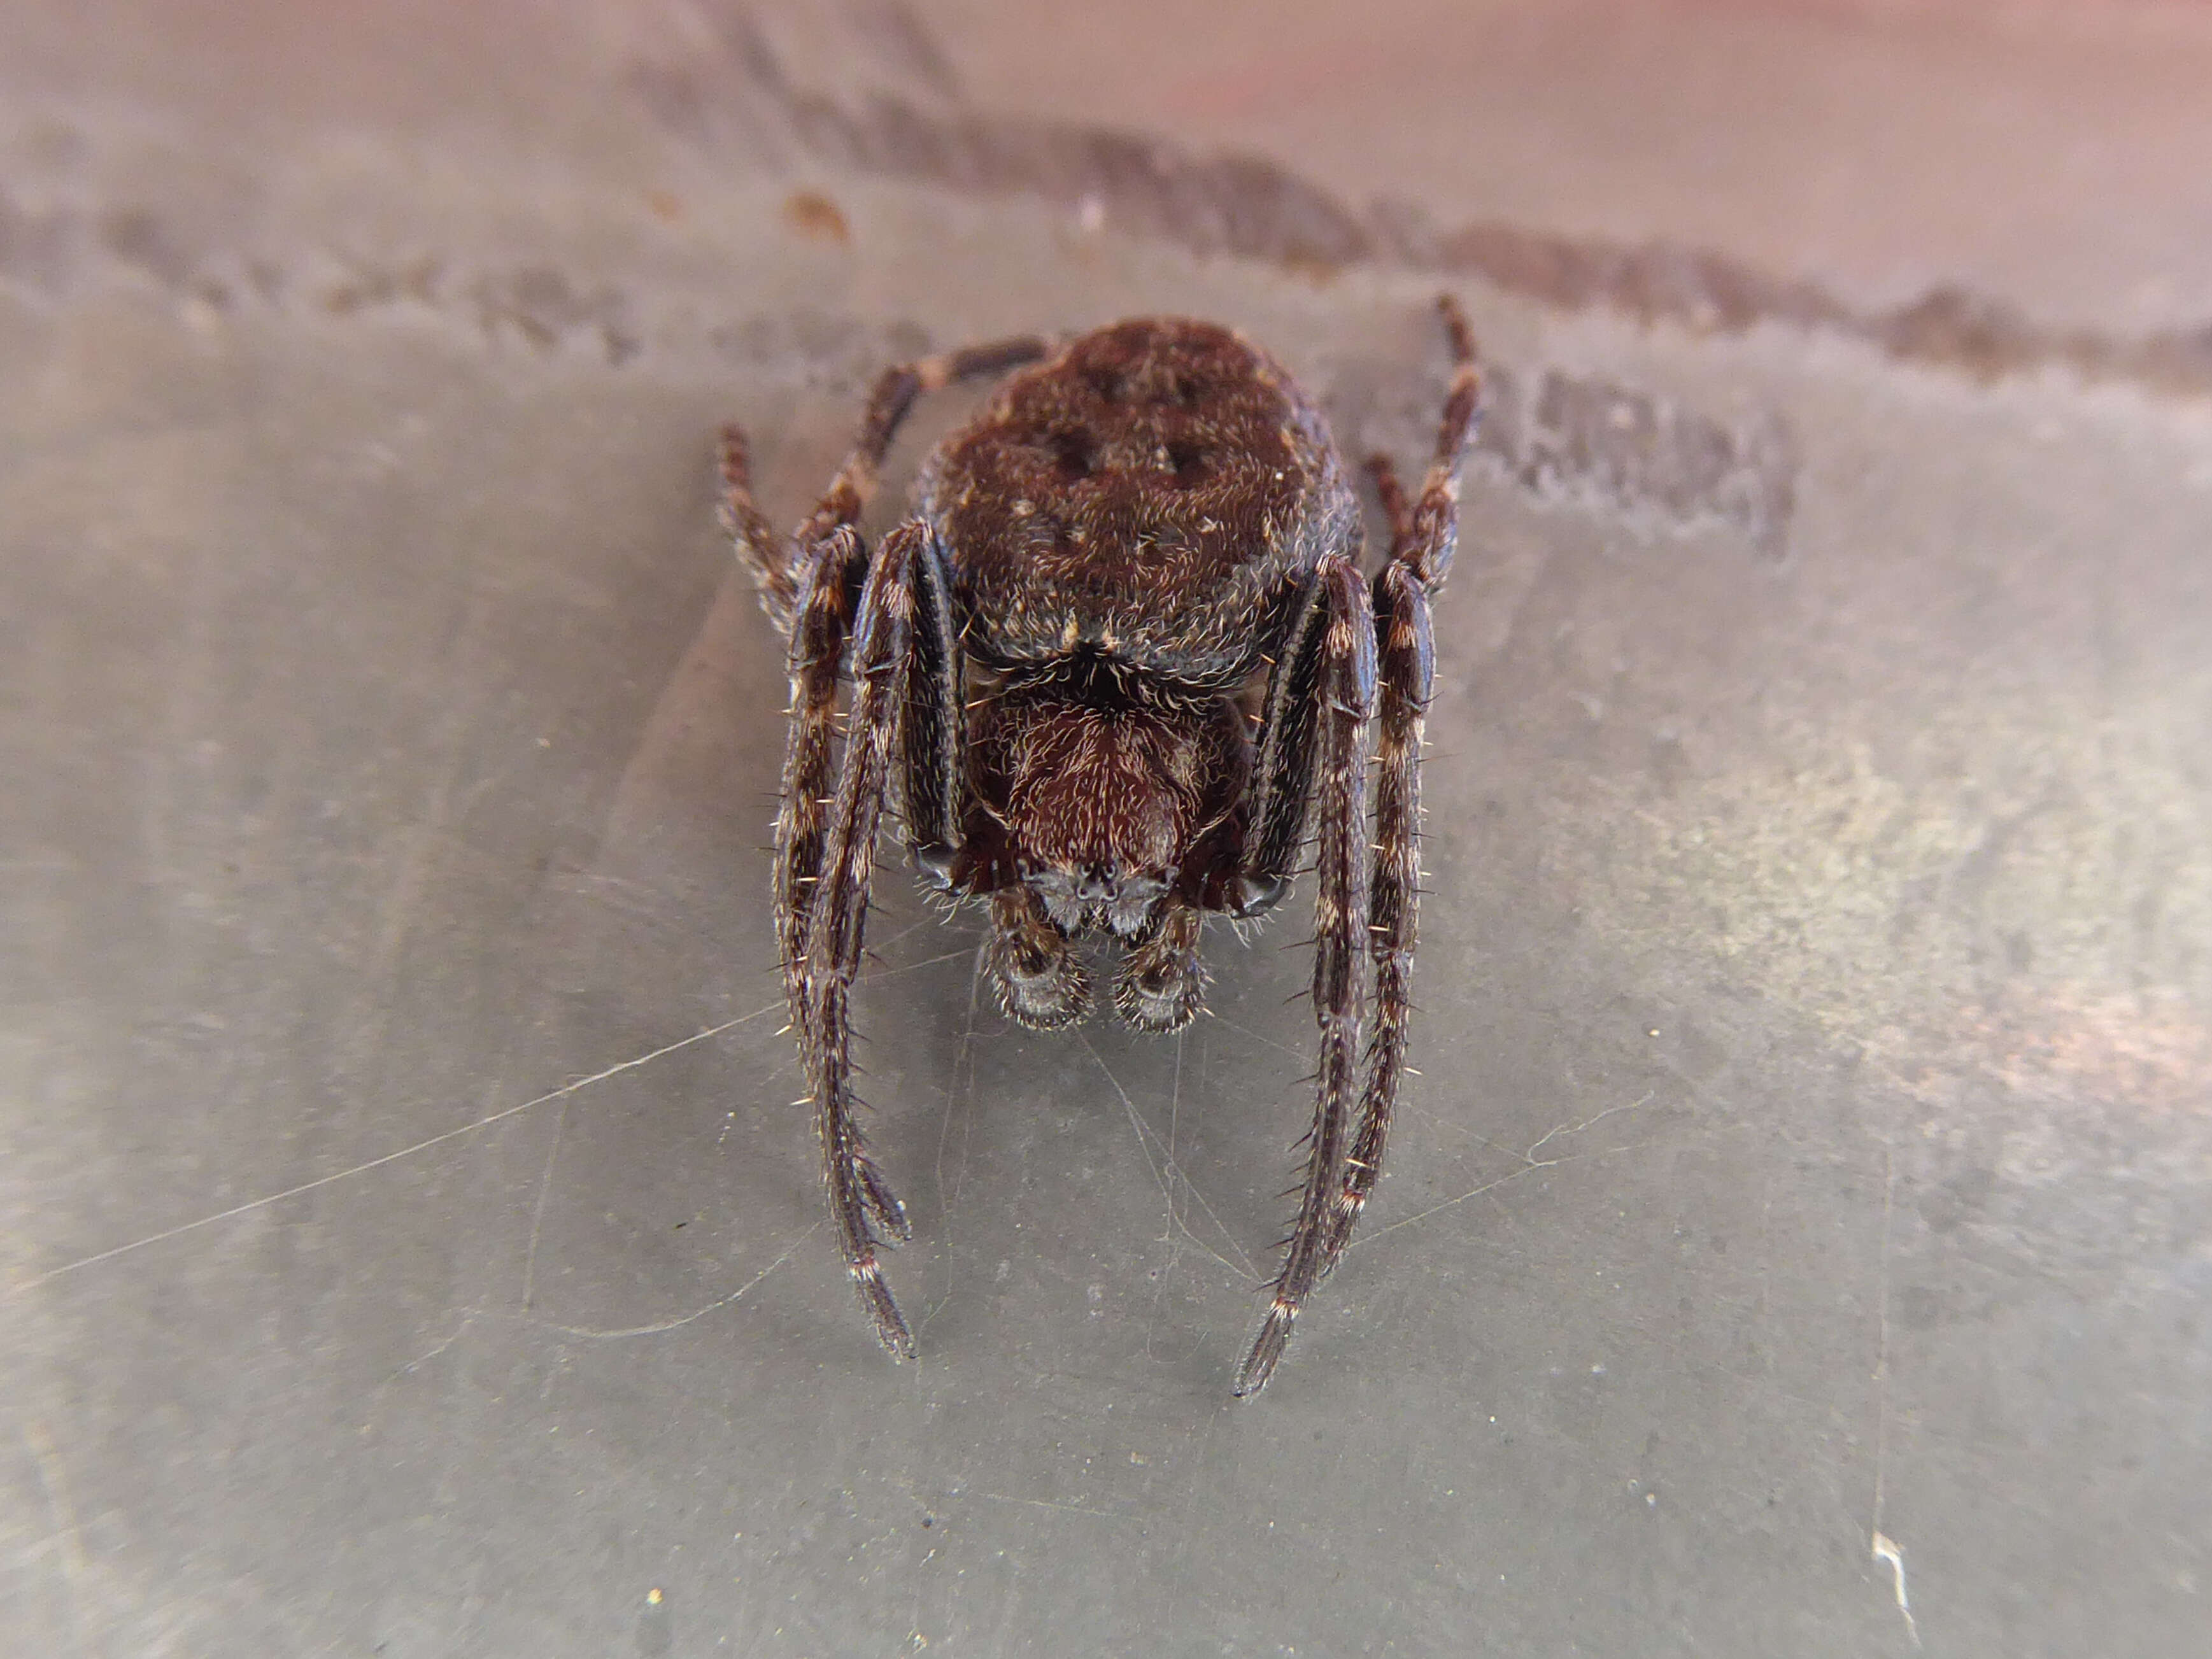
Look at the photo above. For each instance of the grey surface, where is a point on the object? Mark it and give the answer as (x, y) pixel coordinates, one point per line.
(408, 1246)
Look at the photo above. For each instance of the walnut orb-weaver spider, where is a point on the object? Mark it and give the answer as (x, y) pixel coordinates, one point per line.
(1118, 662)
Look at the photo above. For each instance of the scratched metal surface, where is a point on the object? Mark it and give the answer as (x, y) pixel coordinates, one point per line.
(1798, 1241)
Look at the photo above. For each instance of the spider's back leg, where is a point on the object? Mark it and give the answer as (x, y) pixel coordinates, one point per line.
(778, 565)
(772, 561)
(1345, 1165)
(1426, 534)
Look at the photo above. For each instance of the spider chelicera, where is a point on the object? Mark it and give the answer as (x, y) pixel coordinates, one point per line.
(1117, 665)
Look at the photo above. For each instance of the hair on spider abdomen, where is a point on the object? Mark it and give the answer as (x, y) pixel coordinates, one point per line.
(1146, 540)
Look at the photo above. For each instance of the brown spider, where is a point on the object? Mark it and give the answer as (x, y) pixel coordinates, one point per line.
(1120, 651)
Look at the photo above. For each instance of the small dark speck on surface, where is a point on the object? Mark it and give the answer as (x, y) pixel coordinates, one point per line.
(816, 217)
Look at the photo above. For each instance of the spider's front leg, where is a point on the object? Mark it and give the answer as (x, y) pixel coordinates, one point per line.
(1162, 982)
(1404, 673)
(1424, 536)
(820, 624)
(1337, 651)
(865, 1214)
(1423, 539)
(811, 585)
(1040, 981)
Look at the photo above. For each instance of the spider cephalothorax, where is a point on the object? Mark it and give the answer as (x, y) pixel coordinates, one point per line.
(1117, 668)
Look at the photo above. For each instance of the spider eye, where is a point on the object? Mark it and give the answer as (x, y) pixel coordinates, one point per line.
(1074, 454)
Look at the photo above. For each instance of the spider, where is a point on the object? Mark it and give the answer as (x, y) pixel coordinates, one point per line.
(1119, 655)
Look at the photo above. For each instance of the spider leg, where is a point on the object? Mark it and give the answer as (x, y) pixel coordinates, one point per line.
(1392, 494)
(1344, 691)
(933, 740)
(819, 630)
(776, 565)
(860, 1204)
(1040, 981)
(1404, 670)
(1424, 538)
(1162, 982)
(1422, 545)
(1282, 772)
(779, 567)
(1428, 539)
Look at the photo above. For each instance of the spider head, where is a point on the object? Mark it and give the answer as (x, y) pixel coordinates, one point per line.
(1105, 787)
(1097, 895)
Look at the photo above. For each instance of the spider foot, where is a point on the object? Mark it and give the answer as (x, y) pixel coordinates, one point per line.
(1162, 983)
(734, 458)
(1040, 981)
(1161, 997)
(1048, 1002)
(883, 1312)
(1267, 1349)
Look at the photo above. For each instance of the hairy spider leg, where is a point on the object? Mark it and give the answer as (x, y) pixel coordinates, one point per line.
(1344, 680)
(1427, 536)
(1423, 541)
(1397, 511)
(1041, 983)
(1283, 769)
(1421, 548)
(861, 1205)
(1402, 680)
(1162, 982)
(811, 584)
(773, 563)
(833, 576)
(933, 732)
(778, 567)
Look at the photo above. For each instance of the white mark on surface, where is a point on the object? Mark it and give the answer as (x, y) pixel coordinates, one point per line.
(424, 1358)
(590, 1334)
(961, 1094)
(738, 1295)
(1886, 1550)
(537, 1209)
(1047, 1504)
(1169, 1234)
(1228, 1023)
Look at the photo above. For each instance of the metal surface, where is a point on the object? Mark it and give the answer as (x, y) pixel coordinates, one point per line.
(406, 1244)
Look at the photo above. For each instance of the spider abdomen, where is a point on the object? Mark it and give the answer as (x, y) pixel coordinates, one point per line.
(1141, 494)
